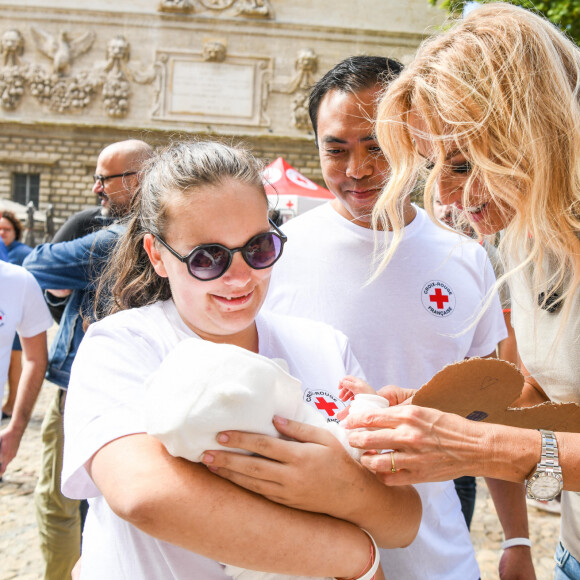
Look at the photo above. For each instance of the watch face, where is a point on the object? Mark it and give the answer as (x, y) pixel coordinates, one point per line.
(545, 486)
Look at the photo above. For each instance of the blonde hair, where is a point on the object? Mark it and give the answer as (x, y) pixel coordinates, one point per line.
(176, 172)
(501, 86)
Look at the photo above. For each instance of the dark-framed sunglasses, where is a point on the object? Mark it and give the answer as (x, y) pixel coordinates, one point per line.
(211, 261)
(103, 178)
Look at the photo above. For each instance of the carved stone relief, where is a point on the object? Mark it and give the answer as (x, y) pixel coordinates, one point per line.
(59, 93)
(299, 111)
(299, 85)
(12, 76)
(57, 88)
(11, 88)
(12, 48)
(63, 49)
(212, 86)
(245, 8)
(183, 6)
(214, 51)
(116, 90)
(254, 8)
(216, 4)
(306, 64)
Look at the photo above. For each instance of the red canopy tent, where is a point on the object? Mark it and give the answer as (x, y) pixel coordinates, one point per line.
(289, 191)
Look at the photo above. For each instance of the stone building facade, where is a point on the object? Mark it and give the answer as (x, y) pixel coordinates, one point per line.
(76, 76)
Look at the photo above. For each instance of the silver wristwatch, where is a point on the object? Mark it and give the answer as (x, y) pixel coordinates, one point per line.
(547, 481)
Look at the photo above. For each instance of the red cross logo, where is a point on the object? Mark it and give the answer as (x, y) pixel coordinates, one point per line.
(324, 405)
(289, 205)
(439, 297)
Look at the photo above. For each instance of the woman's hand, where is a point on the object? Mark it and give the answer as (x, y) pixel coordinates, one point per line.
(9, 443)
(428, 445)
(312, 473)
(516, 564)
(396, 395)
(315, 473)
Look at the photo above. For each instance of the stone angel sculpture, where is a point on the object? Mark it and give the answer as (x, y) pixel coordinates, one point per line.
(62, 49)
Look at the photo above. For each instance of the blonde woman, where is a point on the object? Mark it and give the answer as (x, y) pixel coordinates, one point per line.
(489, 112)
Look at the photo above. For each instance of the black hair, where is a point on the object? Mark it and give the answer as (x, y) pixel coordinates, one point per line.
(352, 75)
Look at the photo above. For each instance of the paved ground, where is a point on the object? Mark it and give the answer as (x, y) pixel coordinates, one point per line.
(20, 555)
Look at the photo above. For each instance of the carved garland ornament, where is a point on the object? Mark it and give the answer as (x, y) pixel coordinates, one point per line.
(56, 88)
(245, 8)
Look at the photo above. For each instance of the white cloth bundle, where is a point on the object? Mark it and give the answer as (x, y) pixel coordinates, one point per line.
(202, 388)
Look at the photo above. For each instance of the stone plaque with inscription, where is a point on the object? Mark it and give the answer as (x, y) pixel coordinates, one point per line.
(233, 92)
(212, 88)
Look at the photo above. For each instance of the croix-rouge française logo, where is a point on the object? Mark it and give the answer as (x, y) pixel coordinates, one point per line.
(1, 318)
(438, 298)
(324, 402)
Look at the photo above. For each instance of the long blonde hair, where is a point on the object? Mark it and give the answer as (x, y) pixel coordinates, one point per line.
(502, 86)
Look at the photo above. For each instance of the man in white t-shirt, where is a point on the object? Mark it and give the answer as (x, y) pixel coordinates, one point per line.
(408, 323)
(22, 310)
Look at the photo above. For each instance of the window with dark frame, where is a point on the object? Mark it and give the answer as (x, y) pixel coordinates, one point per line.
(26, 188)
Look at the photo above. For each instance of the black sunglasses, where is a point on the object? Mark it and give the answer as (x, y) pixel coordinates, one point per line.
(103, 178)
(210, 261)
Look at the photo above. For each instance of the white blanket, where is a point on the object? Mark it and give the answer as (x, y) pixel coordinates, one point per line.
(202, 388)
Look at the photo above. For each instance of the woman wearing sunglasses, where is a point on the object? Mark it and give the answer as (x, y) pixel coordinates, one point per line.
(195, 262)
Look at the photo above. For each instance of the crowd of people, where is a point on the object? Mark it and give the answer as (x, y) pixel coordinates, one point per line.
(366, 294)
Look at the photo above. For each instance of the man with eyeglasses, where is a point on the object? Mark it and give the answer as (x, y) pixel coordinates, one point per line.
(116, 176)
(66, 270)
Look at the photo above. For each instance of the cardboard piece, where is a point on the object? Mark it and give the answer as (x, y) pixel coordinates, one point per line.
(484, 390)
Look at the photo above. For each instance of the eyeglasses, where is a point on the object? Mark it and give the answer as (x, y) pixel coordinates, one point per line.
(210, 261)
(103, 178)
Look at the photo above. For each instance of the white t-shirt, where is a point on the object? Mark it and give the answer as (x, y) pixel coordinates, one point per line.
(403, 328)
(22, 310)
(552, 357)
(106, 401)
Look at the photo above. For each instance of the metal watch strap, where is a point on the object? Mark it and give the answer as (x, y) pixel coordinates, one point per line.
(549, 457)
(548, 467)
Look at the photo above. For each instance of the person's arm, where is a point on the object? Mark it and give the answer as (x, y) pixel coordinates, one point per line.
(34, 361)
(509, 499)
(171, 498)
(510, 503)
(507, 349)
(532, 392)
(436, 446)
(69, 265)
(315, 473)
(76, 226)
(183, 503)
(80, 224)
